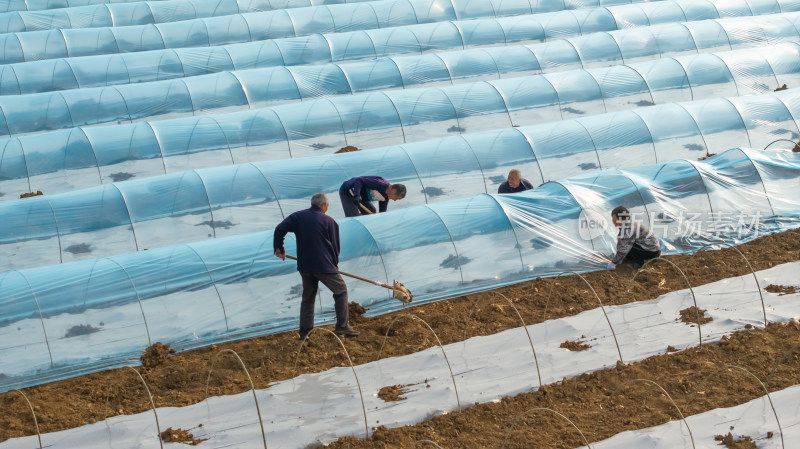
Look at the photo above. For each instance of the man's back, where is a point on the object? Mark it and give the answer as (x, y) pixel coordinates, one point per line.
(317, 237)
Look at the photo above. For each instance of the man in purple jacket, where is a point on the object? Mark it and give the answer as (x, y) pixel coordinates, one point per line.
(317, 238)
(357, 195)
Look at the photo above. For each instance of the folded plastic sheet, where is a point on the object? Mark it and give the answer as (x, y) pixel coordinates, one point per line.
(215, 202)
(70, 319)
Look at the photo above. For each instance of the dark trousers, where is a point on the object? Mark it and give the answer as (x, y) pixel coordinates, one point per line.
(638, 256)
(352, 206)
(336, 284)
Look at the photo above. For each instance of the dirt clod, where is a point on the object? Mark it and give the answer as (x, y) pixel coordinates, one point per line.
(347, 149)
(781, 289)
(156, 354)
(574, 345)
(355, 312)
(394, 393)
(689, 315)
(30, 194)
(744, 442)
(180, 436)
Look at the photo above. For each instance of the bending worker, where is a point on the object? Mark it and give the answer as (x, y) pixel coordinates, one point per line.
(358, 193)
(317, 237)
(635, 242)
(515, 183)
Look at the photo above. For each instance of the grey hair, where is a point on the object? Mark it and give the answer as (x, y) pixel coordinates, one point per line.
(319, 199)
(515, 173)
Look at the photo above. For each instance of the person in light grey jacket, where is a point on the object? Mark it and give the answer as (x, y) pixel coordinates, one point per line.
(635, 242)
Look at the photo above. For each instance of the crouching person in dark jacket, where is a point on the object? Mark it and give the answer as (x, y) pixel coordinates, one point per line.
(635, 242)
(317, 237)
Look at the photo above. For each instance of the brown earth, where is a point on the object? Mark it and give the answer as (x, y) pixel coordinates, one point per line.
(180, 436)
(627, 397)
(574, 345)
(394, 393)
(744, 442)
(180, 379)
(691, 315)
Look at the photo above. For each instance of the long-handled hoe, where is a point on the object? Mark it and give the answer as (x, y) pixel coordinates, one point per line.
(399, 291)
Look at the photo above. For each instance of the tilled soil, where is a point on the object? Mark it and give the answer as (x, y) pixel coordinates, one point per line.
(180, 379)
(604, 403)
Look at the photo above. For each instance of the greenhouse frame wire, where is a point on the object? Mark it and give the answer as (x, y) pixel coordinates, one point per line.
(132, 300)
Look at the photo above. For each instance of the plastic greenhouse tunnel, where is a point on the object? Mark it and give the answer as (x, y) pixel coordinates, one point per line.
(151, 212)
(392, 15)
(683, 77)
(129, 13)
(376, 119)
(204, 292)
(626, 45)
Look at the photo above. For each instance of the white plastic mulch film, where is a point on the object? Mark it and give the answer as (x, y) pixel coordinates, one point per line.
(191, 128)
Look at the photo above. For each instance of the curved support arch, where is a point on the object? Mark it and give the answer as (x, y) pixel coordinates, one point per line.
(502, 97)
(411, 161)
(760, 294)
(699, 175)
(272, 189)
(524, 327)
(41, 315)
(602, 307)
(378, 248)
(577, 203)
(530, 145)
(138, 299)
(763, 387)
(648, 381)
(796, 144)
(761, 178)
(33, 413)
(511, 226)
(694, 299)
(249, 379)
(438, 342)
(219, 296)
(591, 137)
(158, 141)
(130, 218)
(58, 232)
(352, 368)
(452, 242)
(221, 129)
(545, 409)
(149, 396)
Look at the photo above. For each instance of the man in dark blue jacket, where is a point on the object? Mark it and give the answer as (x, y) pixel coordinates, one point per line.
(357, 195)
(317, 238)
(514, 183)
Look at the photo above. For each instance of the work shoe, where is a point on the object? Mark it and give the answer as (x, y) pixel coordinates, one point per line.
(347, 332)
